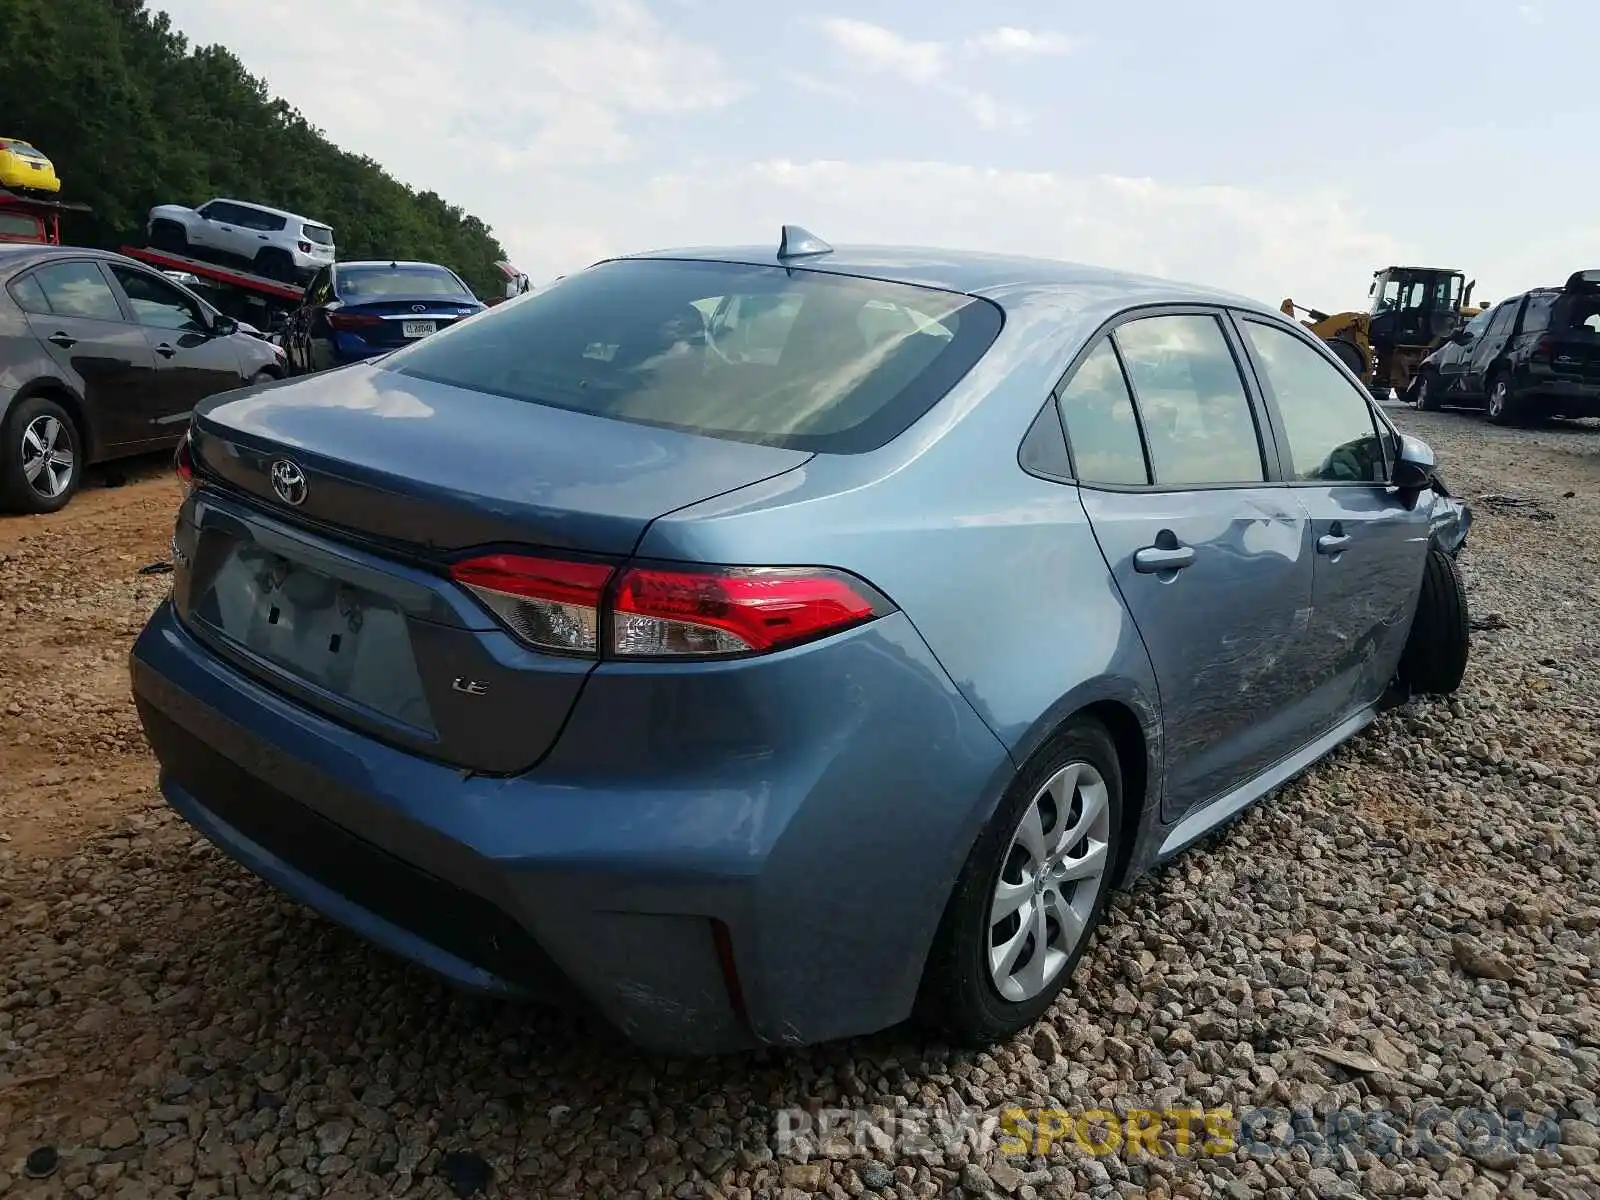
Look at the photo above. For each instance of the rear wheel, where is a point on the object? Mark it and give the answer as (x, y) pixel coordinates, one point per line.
(1032, 891)
(41, 461)
(169, 237)
(1501, 407)
(1437, 649)
(275, 264)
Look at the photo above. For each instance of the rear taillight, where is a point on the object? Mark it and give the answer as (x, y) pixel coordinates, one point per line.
(550, 603)
(342, 320)
(661, 612)
(183, 464)
(696, 614)
(305, 247)
(1546, 348)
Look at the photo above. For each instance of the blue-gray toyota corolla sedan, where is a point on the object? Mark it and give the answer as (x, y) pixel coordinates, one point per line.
(767, 645)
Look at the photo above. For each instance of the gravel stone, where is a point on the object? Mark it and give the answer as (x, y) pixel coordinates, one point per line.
(1411, 928)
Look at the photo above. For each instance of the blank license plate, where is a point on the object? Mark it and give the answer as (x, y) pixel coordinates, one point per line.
(416, 329)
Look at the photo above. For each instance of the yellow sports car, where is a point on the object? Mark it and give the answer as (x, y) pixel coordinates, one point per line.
(21, 166)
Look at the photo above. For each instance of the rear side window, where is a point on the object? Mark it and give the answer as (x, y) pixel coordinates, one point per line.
(78, 290)
(1196, 415)
(652, 341)
(255, 218)
(29, 295)
(1536, 317)
(1101, 426)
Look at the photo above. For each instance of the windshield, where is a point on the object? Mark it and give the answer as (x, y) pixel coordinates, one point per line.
(783, 357)
(21, 149)
(15, 225)
(378, 283)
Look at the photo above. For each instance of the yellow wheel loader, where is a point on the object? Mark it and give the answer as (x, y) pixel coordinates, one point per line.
(1414, 310)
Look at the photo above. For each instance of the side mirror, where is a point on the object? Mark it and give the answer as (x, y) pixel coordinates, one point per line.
(222, 326)
(1413, 470)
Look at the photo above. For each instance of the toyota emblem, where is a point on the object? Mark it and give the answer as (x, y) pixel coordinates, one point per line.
(289, 481)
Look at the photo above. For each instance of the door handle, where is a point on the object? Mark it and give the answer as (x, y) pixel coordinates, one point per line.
(62, 340)
(1333, 543)
(165, 350)
(1153, 560)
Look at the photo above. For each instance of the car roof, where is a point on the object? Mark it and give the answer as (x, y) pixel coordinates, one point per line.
(18, 256)
(972, 272)
(267, 208)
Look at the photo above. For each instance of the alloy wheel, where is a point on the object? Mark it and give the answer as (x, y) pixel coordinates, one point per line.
(47, 458)
(1049, 881)
(1497, 398)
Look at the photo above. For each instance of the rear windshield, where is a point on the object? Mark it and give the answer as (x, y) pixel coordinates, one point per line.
(377, 283)
(17, 225)
(782, 357)
(1578, 312)
(22, 149)
(320, 234)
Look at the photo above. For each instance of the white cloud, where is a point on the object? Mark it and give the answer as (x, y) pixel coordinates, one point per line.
(927, 64)
(1314, 247)
(433, 91)
(1010, 40)
(884, 50)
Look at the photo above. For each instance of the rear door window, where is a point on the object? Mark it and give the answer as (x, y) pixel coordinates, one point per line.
(1198, 422)
(1536, 317)
(666, 342)
(78, 289)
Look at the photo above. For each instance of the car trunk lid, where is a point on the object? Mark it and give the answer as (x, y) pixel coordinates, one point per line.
(1573, 340)
(318, 563)
(400, 320)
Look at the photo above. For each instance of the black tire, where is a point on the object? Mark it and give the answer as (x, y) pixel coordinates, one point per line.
(18, 451)
(169, 237)
(958, 999)
(1350, 355)
(1499, 404)
(1427, 392)
(1437, 649)
(275, 264)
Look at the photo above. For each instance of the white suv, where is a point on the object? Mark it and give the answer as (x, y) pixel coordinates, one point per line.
(277, 244)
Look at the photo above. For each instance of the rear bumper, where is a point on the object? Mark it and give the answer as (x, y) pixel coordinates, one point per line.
(603, 877)
(1576, 397)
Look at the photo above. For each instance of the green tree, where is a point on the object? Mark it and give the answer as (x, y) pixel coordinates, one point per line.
(133, 116)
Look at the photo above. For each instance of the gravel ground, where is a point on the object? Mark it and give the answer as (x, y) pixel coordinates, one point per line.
(1413, 927)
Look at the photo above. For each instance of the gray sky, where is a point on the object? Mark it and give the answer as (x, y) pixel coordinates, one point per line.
(1278, 149)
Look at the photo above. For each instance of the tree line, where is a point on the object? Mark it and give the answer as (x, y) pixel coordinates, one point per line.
(133, 116)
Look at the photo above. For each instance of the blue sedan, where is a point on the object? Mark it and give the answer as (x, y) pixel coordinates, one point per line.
(766, 645)
(354, 311)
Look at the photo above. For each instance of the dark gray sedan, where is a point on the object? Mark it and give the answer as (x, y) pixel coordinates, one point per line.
(101, 358)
